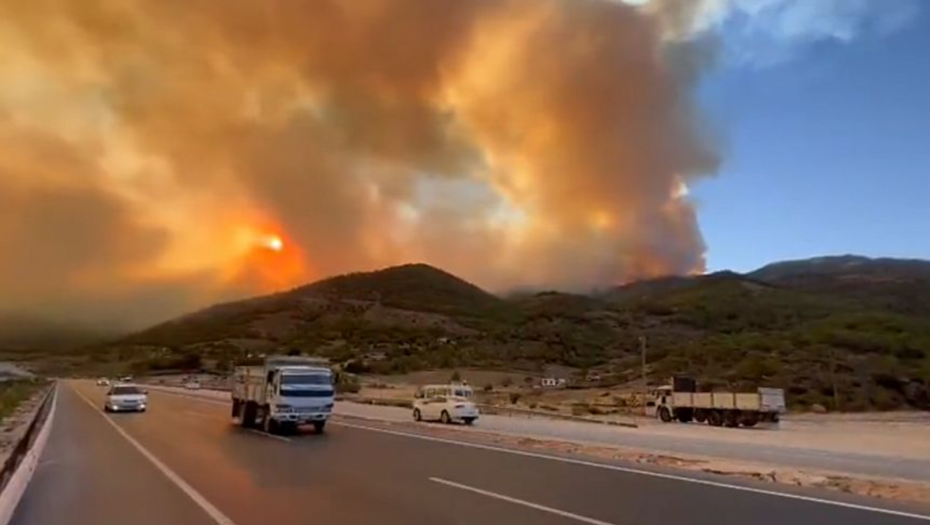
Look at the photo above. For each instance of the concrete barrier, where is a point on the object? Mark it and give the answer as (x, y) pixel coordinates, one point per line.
(22, 474)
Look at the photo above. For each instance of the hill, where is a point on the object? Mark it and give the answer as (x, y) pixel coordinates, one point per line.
(847, 333)
(898, 285)
(20, 332)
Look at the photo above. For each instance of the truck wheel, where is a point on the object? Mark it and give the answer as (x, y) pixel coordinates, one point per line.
(247, 415)
(700, 416)
(714, 418)
(235, 408)
(417, 416)
(269, 425)
(749, 419)
(665, 415)
(684, 415)
(445, 418)
(319, 426)
(731, 419)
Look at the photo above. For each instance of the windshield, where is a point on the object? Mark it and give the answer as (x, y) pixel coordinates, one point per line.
(306, 379)
(125, 391)
(460, 392)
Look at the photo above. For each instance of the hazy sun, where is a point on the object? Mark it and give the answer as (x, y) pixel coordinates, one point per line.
(274, 243)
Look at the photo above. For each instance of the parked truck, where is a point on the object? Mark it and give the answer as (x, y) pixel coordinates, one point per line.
(282, 393)
(681, 401)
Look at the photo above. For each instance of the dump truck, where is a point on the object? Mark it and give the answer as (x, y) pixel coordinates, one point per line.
(283, 393)
(680, 401)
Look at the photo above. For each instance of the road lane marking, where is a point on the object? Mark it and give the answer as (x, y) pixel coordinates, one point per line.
(267, 435)
(629, 470)
(204, 414)
(202, 502)
(537, 506)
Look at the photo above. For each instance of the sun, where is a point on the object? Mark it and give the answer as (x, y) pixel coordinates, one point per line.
(274, 243)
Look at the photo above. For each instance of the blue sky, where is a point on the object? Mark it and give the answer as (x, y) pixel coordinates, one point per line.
(826, 141)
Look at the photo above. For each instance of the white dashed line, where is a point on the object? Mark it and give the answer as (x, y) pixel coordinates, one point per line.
(629, 470)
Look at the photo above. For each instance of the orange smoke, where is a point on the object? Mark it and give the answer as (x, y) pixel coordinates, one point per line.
(187, 152)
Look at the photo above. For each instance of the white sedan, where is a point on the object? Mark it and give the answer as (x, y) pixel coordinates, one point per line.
(126, 398)
(445, 403)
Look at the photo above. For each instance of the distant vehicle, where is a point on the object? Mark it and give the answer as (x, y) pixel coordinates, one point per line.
(103, 382)
(445, 403)
(125, 379)
(126, 398)
(192, 385)
(680, 401)
(283, 393)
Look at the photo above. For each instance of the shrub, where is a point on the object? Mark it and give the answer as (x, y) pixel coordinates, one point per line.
(581, 409)
(514, 398)
(488, 387)
(507, 382)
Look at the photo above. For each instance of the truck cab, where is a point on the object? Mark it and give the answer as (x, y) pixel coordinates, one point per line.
(657, 399)
(284, 393)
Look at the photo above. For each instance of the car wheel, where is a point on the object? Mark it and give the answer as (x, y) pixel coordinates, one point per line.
(106, 408)
(417, 416)
(445, 418)
(319, 426)
(469, 421)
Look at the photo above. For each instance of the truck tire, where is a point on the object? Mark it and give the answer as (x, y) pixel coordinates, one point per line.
(319, 426)
(269, 425)
(731, 418)
(700, 415)
(714, 418)
(235, 408)
(665, 415)
(247, 415)
(749, 419)
(684, 415)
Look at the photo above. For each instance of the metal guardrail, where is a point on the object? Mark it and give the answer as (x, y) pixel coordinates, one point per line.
(25, 443)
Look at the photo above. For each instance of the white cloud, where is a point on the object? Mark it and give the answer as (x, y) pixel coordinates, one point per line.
(762, 32)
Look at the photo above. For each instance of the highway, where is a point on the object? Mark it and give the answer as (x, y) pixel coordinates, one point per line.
(183, 462)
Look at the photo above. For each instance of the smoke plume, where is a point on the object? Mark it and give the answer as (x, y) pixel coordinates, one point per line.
(150, 149)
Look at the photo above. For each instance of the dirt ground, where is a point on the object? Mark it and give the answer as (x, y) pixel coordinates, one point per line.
(895, 434)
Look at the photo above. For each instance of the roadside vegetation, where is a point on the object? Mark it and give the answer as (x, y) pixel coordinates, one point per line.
(14, 392)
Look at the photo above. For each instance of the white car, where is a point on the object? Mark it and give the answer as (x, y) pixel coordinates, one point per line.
(192, 385)
(126, 398)
(445, 403)
(103, 382)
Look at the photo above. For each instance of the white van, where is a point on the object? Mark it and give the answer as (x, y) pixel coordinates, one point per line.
(445, 403)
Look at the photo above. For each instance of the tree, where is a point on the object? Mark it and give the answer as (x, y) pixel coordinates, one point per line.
(456, 377)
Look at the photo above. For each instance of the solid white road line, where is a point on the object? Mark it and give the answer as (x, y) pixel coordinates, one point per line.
(564, 514)
(209, 508)
(629, 470)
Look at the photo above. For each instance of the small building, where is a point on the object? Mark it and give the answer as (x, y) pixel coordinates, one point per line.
(553, 382)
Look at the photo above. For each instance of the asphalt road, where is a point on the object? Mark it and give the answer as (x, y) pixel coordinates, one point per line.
(184, 463)
(682, 443)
